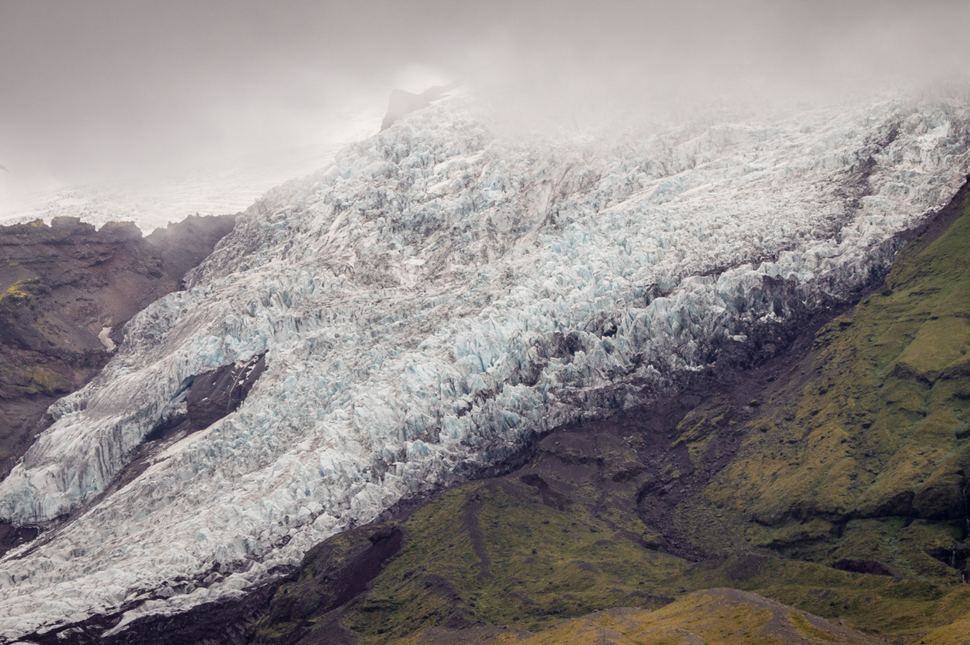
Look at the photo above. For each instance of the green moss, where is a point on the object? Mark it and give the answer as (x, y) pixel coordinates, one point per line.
(699, 427)
(19, 293)
(805, 628)
(881, 428)
(902, 608)
(542, 565)
(954, 632)
(581, 565)
(794, 534)
(41, 380)
(715, 617)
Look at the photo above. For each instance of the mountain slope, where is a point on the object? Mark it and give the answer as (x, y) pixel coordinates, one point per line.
(430, 304)
(669, 498)
(66, 291)
(715, 617)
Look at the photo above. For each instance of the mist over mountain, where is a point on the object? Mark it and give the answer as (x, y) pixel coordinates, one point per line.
(596, 215)
(109, 89)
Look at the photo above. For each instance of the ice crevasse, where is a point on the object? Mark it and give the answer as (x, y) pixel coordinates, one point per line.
(430, 302)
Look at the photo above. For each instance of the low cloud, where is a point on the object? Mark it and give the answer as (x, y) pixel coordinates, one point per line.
(98, 89)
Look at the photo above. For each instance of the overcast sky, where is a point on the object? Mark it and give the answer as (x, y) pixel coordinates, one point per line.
(97, 88)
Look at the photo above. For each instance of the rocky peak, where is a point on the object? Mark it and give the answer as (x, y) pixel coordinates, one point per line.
(402, 103)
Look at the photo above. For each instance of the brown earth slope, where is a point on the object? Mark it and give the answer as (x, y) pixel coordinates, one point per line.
(66, 291)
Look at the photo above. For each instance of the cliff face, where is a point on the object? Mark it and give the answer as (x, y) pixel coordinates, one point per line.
(66, 291)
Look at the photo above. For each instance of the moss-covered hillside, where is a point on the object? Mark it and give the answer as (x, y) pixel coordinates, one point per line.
(860, 451)
(713, 617)
(831, 480)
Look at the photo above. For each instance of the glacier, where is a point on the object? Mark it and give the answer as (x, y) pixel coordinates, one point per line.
(430, 302)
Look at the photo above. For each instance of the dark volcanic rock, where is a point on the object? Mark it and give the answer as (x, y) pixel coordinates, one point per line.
(184, 245)
(211, 396)
(863, 566)
(402, 103)
(334, 573)
(215, 394)
(225, 622)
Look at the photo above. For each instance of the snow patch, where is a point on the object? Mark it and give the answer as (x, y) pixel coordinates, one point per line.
(105, 339)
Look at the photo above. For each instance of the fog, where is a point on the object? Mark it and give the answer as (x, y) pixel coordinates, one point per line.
(100, 89)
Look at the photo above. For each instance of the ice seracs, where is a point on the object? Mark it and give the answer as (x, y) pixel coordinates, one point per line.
(433, 299)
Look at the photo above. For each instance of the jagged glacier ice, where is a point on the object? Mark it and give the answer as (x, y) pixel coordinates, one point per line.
(429, 302)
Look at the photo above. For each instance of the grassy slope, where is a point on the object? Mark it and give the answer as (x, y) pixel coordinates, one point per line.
(581, 564)
(855, 452)
(867, 459)
(715, 617)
